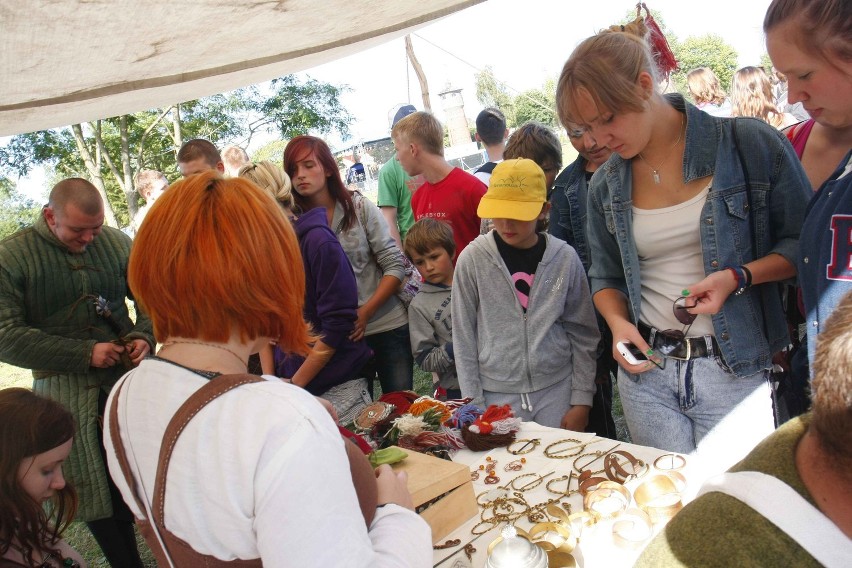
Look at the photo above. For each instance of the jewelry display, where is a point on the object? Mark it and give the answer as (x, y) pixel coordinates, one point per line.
(532, 484)
(607, 500)
(448, 544)
(557, 512)
(551, 451)
(544, 498)
(469, 551)
(619, 472)
(670, 462)
(527, 447)
(553, 482)
(659, 498)
(632, 529)
(589, 482)
(595, 457)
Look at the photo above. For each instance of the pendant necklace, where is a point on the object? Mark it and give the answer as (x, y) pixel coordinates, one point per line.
(222, 347)
(656, 171)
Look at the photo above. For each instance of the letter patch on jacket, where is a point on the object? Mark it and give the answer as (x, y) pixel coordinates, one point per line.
(840, 267)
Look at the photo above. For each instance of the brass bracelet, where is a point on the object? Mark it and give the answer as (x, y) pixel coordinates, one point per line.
(659, 498)
(600, 500)
(569, 541)
(632, 529)
(596, 456)
(555, 454)
(676, 462)
(532, 484)
(528, 446)
(567, 491)
(615, 471)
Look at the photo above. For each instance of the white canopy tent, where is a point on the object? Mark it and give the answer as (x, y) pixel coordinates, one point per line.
(65, 62)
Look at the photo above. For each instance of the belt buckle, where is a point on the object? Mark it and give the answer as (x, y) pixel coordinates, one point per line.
(688, 348)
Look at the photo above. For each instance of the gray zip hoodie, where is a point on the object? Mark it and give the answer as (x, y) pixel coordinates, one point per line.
(499, 348)
(431, 329)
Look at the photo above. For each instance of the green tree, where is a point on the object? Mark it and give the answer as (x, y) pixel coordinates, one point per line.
(491, 92)
(766, 62)
(538, 105)
(16, 210)
(705, 51)
(109, 152)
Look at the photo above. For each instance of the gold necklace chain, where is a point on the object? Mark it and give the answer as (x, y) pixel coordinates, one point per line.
(656, 171)
(222, 347)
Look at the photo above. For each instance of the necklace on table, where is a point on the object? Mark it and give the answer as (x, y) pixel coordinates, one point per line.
(656, 171)
(222, 347)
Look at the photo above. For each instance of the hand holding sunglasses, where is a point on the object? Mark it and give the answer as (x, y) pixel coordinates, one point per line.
(711, 293)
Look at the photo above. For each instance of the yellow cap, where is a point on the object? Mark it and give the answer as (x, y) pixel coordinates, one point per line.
(517, 190)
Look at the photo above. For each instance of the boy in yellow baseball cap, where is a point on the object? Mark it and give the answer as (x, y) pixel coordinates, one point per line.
(524, 329)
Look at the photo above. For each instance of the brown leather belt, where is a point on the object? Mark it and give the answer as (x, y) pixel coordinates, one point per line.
(685, 349)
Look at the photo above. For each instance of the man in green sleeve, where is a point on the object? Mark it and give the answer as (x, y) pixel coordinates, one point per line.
(63, 314)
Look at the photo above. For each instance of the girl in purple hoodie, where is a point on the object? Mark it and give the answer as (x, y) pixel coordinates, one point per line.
(332, 369)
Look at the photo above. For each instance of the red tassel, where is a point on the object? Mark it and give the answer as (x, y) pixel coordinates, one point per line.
(663, 55)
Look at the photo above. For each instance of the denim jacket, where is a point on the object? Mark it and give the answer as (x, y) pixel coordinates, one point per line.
(779, 197)
(568, 209)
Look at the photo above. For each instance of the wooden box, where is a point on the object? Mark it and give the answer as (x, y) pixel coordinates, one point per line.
(445, 485)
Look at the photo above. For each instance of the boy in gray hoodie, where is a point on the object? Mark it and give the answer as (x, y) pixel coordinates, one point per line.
(525, 332)
(431, 247)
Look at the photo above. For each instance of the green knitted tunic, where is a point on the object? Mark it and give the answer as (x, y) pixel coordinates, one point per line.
(48, 323)
(717, 530)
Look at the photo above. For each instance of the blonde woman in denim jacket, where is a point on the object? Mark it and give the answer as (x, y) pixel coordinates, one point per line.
(670, 238)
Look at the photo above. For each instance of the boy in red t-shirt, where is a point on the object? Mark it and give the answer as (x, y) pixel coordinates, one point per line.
(450, 194)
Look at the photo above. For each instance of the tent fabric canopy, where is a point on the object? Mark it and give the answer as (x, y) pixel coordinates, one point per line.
(75, 61)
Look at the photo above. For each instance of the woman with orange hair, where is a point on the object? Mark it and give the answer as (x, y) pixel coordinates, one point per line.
(239, 454)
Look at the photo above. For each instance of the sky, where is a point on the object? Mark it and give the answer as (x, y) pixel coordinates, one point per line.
(526, 42)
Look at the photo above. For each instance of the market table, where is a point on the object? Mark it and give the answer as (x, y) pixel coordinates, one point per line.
(545, 477)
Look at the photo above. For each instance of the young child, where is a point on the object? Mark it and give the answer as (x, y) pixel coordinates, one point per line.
(431, 248)
(524, 332)
(449, 194)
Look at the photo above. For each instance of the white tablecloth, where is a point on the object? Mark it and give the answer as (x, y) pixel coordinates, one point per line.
(596, 547)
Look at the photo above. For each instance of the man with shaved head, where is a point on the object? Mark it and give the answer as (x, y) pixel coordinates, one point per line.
(63, 314)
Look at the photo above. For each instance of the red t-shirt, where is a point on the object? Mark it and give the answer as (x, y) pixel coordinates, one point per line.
(453, 200)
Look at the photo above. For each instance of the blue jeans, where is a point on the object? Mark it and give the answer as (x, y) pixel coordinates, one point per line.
(392, 359)
(698, 407)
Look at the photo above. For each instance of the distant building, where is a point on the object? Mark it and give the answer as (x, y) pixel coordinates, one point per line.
(453, 105)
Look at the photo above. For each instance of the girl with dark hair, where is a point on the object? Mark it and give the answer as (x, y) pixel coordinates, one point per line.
(35, 438)
(376, 260)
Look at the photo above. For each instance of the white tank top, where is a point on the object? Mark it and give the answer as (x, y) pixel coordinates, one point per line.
(668, 241)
